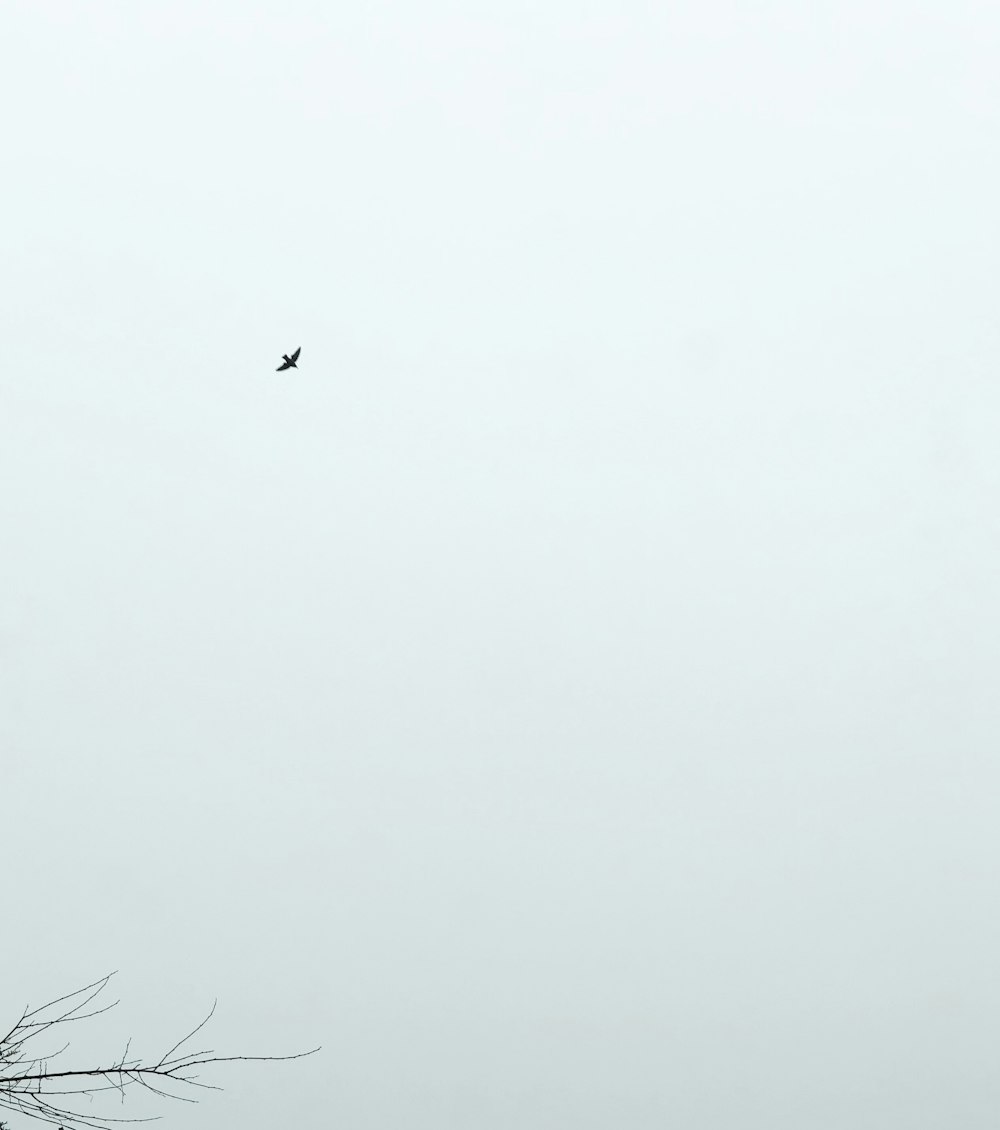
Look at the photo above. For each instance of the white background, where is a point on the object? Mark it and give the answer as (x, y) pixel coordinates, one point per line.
(570, 696)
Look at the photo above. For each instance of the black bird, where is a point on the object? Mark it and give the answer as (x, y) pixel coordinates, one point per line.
(289, 362)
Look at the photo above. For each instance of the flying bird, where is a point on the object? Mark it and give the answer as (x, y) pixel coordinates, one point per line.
(289, 362)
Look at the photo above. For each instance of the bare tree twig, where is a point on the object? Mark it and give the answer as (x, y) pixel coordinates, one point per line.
(28, 1086)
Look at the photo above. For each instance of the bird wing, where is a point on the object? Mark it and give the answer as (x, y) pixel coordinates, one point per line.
(295, 355)
(284, 365)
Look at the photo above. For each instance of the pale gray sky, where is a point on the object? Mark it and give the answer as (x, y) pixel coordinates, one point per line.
(571, 695)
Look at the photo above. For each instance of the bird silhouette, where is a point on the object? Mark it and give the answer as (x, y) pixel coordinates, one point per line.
(289, 362)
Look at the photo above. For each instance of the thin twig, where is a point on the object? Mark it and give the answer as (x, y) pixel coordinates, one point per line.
(30, 1087)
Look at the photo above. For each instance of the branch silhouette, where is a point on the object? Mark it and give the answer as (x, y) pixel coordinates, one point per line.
(31, 1086)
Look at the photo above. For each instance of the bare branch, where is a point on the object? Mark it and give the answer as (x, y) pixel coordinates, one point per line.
(193, 1032)
(30, 1087)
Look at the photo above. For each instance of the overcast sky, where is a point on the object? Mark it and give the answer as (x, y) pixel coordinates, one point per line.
(571, 695)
